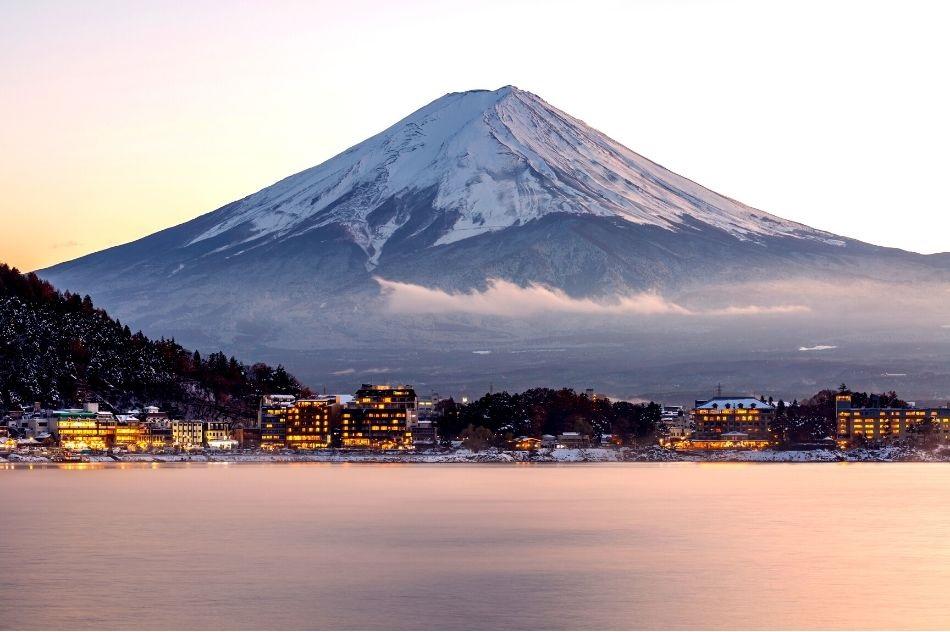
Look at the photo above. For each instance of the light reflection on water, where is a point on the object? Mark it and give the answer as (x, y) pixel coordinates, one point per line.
(315, 545)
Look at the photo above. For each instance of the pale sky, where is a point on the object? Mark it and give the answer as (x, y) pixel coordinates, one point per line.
(118, 119)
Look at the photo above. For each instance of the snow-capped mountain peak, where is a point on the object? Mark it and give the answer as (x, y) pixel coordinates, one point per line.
(482, 161)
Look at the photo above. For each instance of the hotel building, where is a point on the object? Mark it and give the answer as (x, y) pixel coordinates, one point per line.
(886, 425)
(187, 435)
(299, 424)
(130, 435)
(380, 418)
(729, 423)
(309, 422)
(86, 434)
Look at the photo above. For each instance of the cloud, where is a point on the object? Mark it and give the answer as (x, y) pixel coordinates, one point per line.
(64, 244)
(503, 298)
(344, 372)
(818, 348)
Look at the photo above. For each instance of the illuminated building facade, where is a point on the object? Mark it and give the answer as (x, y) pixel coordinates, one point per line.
(86, 434)
(308, 423)
(886, 425)
(216, 435)
(272, 418)
(299, 424)
(379, 418)
(730, 423)
(158, 438)
(130, 435)
(187, 434)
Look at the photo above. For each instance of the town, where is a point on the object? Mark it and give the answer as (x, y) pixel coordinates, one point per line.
(394, 420)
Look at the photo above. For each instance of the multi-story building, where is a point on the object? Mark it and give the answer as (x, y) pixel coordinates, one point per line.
(217, 435)
(86, 433)
(187, 434)
(157, 437)
(886, 425)
(272, 420)
(728, 423)
(379, 417)
(424, 434)
(299, 424)
(130, 435)
(309, 422)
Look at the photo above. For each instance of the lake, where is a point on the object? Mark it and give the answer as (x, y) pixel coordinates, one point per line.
(311, 545)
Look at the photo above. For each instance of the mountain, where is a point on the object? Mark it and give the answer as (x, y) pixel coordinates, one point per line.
(488, 218)
(58, 348)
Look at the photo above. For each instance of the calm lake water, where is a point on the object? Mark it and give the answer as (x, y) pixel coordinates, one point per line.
(681, 545)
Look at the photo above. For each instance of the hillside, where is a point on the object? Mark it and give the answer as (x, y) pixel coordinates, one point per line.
(493, 221)
(55, 347)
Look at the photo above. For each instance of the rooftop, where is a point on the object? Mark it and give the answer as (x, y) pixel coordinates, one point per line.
(735, 402)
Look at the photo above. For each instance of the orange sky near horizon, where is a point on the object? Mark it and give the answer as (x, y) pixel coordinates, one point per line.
(127, 118)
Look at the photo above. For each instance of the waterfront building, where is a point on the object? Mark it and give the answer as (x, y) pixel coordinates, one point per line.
(886, 425)
(247, 438)
(187, 434)
(729, 423)
(424, 434)
(299, 424)
(217, 435)
(380, 418)
(526, 443)
(573, 440)
(157, 437)
(272, 419)
(84, 433)
(130, 435)
(309, 422)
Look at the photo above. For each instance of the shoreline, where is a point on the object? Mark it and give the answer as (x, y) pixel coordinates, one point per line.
(580, 455)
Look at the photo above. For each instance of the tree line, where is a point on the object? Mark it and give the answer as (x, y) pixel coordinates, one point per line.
(57, 347)
(496, 418)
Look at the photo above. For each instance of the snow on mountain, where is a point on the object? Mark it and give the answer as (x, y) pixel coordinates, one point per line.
(495, 159)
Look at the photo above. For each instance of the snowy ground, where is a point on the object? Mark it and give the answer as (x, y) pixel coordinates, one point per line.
(589, 455)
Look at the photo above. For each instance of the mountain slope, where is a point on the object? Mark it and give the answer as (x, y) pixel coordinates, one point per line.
(54, 346)
(474, 187)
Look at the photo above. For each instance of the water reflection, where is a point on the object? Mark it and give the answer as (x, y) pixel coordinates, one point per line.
(316, 545)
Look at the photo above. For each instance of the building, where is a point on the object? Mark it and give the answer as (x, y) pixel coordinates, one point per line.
(573, 440)
(526, 443)
(155, 417)
(157, 437)
(187, 435)
(886, 425)
(425, 406)
(730, 423)
(130, 435)
(299, 424)
(380, 417)
(216, 435)
(41, 422)
(247, 438)
(271, 403)
(424, 434)
(85, 433)
(272, 419)
(309, 422)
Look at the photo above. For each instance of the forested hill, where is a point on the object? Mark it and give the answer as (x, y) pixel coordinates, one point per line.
(57, 347)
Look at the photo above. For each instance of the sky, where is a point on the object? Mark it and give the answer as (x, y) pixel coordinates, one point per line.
(118, 119)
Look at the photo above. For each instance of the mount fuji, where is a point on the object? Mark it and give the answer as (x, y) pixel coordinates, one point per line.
(492, 221)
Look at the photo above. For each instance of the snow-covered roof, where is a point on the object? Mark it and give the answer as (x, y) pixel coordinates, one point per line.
(735, 402)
